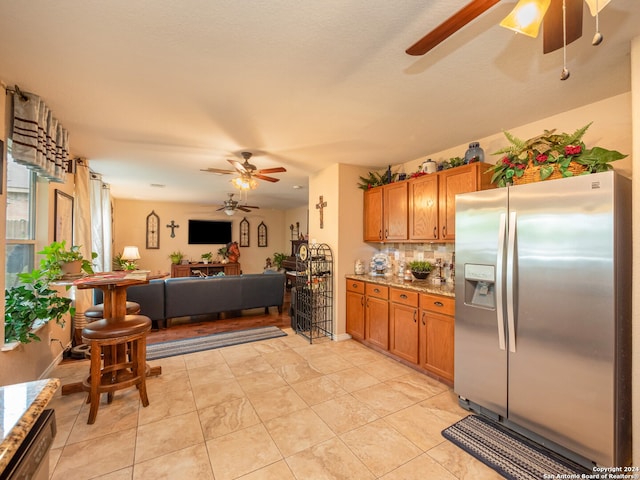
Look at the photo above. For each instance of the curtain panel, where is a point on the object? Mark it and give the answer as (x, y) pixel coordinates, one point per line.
(39, 141)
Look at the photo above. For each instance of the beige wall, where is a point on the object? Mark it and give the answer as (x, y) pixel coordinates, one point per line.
(129, 228)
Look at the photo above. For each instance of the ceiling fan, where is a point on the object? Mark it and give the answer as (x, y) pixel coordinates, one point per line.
(553, 31)
(247, 171)
(230, 206)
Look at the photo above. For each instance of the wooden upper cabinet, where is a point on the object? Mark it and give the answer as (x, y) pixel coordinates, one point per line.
(423, 208)
(395, 211)
(468, 178)
(373, 225)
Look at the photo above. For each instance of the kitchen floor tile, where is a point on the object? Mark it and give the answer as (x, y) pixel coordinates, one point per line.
(280, 409)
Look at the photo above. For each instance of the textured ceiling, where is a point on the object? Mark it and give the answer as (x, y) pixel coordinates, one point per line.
(152, 91)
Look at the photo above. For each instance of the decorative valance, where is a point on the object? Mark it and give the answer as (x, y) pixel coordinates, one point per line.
(38, 140)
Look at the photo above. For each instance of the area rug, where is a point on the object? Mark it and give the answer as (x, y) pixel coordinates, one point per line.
(508, 453)
(209, 342)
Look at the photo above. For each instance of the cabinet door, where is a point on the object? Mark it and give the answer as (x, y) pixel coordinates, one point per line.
(423, 208)
(377, 322)
(355, 315)
(437, 338)
(180, 270)
(373, 215)
(404, 331)
(396, 211)
(452, 182)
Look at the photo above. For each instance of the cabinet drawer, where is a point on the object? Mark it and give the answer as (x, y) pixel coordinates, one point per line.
(378, 291)
(355, 286)
(404, 297)
(438, 303)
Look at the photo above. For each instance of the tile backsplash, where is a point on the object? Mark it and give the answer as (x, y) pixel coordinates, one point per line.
(431, 252)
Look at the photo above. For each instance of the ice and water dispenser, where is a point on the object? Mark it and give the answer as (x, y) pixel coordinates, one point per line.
(479, 285)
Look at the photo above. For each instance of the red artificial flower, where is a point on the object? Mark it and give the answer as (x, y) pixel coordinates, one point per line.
(542, 158)
(572, 149)
(506, 161)
(522, 166)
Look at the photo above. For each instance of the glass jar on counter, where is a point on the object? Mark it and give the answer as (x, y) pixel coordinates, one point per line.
(474, 153)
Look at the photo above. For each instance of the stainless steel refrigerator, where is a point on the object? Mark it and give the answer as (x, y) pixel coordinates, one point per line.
(543, 312)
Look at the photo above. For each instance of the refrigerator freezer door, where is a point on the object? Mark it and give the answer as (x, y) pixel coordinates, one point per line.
(480, 360)
(562, 375)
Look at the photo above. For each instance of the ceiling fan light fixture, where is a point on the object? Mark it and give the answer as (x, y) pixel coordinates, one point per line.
(596, 6)
(526, 17)
(244, 183)
(229, 211)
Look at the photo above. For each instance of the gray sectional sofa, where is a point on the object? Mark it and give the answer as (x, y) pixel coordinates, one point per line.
(162, 300)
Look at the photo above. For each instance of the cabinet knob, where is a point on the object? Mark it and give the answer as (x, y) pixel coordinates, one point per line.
(415, 316)
(438, 304)
(444, 231)
(435, 232)
(423, 315)
(402, 295)
(362, 301)
(376, 290)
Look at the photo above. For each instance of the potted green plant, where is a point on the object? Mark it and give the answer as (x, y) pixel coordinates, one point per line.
(59, 261)
(420, 269)
(548, 156)
(176, 257)
(206, 257)
(278, 258)
(31, 304)
(34, 302)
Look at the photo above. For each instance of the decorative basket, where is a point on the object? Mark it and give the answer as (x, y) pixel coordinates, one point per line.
(532, 173)
(420, 275)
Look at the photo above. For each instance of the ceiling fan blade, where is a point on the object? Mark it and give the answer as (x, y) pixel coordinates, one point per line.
(552, 24)
(250, 206)
(243, 209)
(450, 26)
(238, 166)
(217, 170)
(272, 170)
(264, 177)
(221, 208)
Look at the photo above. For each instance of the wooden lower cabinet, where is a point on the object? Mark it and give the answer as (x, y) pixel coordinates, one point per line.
(403, 321)
(377, 315)
(437, 334)
(355, 309)
(417, 328)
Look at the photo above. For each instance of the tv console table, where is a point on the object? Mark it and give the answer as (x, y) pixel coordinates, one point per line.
(204, 269)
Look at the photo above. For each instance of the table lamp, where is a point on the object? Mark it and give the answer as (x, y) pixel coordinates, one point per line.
(129, 257)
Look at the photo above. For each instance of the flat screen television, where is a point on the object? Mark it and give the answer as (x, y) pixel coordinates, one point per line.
(209, 232)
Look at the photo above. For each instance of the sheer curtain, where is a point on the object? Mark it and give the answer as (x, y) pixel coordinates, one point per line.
(101, 233)
(82, 236)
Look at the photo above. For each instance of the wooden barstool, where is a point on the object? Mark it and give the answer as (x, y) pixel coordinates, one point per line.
(118, 358)
(96, 312)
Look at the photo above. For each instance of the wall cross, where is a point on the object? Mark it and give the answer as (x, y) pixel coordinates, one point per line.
(173, 227)
(320, 206)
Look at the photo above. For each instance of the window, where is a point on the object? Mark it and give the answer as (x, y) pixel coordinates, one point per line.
(20, 241)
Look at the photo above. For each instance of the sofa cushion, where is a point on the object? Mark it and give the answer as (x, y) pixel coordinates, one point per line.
(150, 297)
(260, 290)
(186, 296)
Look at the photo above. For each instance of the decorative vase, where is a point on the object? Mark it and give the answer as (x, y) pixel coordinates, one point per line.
(71, 268)
(474, 153)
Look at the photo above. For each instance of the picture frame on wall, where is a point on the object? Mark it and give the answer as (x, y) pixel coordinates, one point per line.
(63, 227)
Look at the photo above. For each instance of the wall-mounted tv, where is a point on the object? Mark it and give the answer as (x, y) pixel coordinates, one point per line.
(209, 232)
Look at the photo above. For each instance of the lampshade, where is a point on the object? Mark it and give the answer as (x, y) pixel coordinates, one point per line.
(130, 253)
(244, 182)
(526, 17)
(592, 6)
(230, 211)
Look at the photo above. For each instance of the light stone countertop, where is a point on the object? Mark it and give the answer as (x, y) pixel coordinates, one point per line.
(421, 286)
(20, 406)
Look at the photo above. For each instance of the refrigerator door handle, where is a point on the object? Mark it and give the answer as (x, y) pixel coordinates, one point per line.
(510, 279)
(499, 269)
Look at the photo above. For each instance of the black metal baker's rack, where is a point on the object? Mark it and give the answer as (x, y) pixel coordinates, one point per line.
(314, 293)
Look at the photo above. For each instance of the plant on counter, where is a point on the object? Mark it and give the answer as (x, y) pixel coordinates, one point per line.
(420, 268)
(34, 302)
(223, 253)
(176, 257)
(59, 260)
(563, 154)
(278, 258)
(207, 257)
